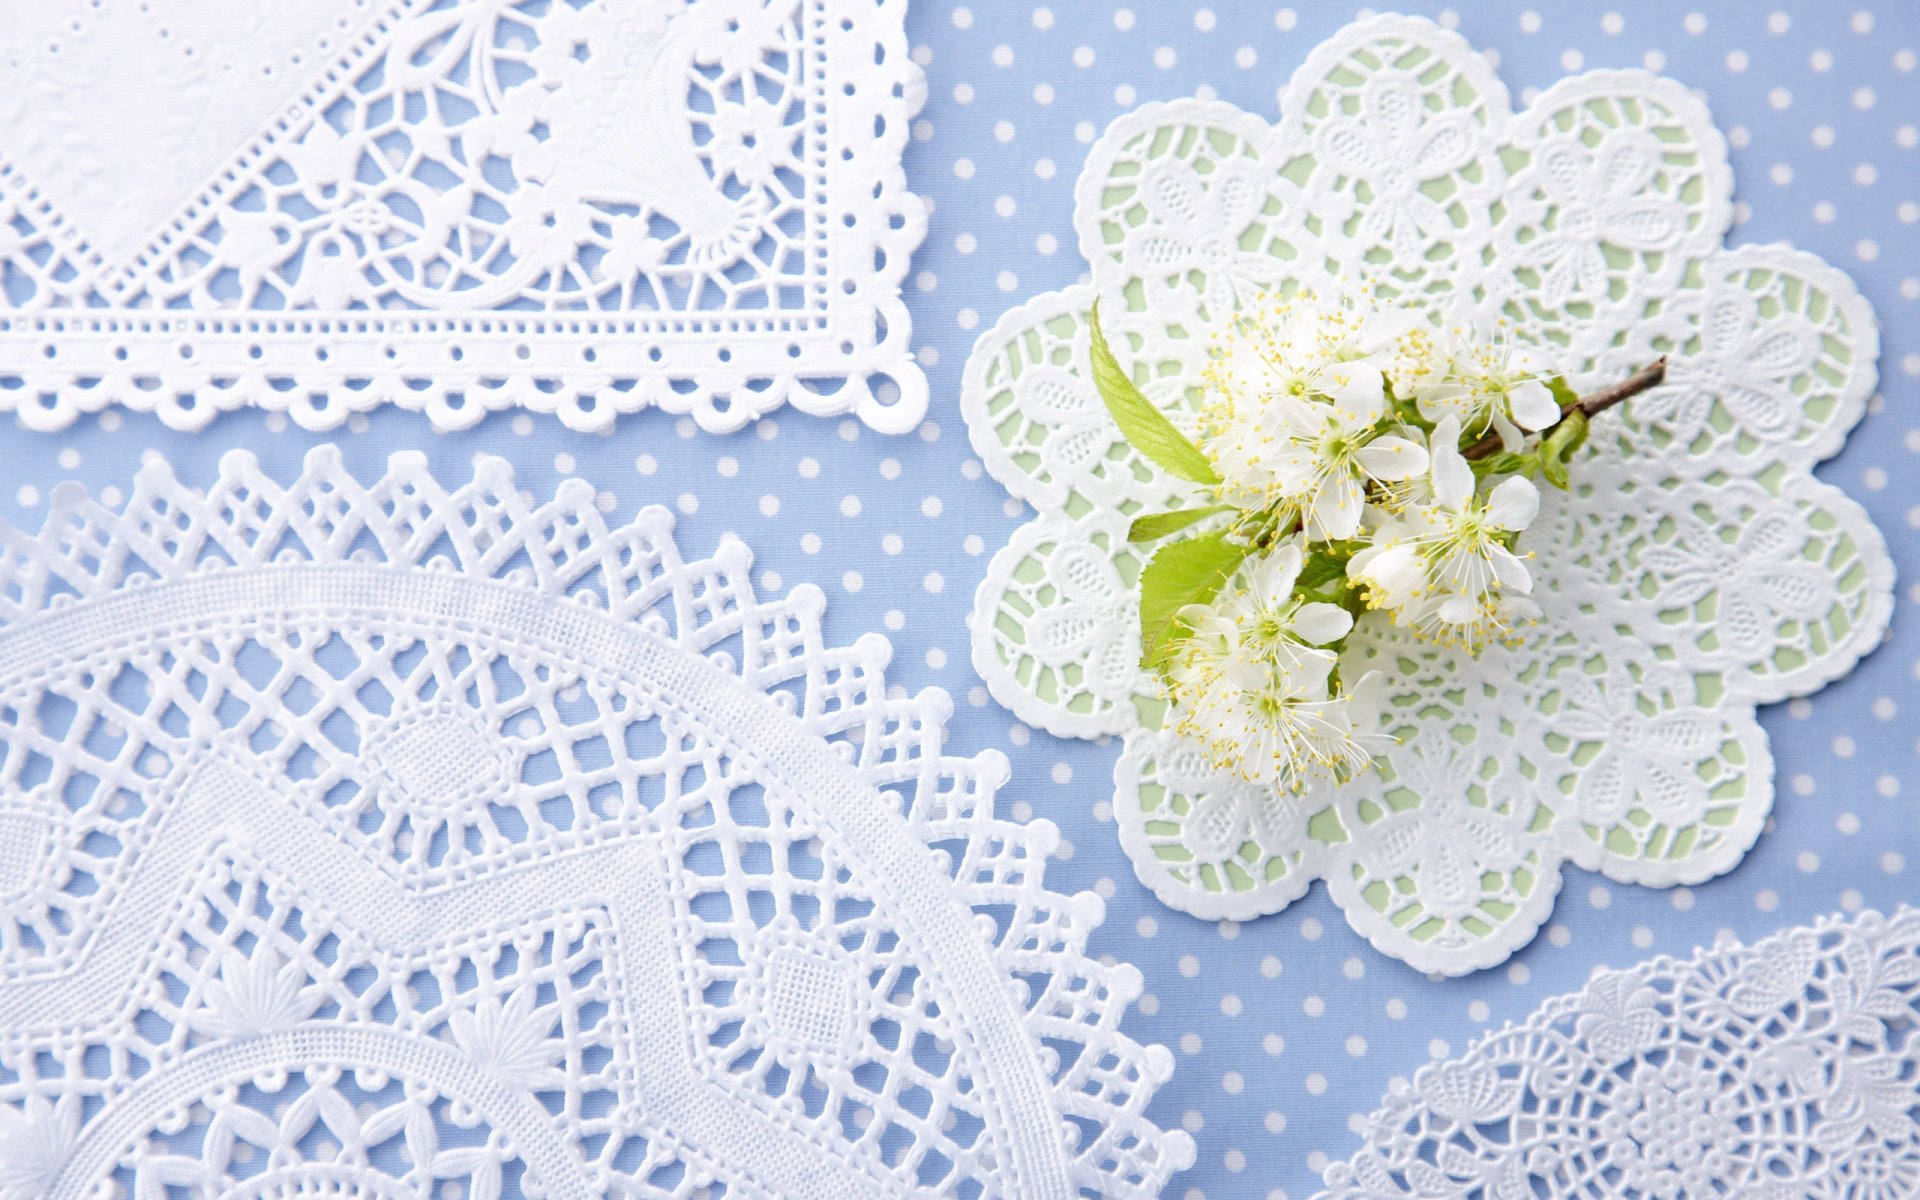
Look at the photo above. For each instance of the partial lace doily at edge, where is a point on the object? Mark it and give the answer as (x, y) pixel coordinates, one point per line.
(578, 208)
(1698, 568)
(389, 839)
(1785, 1069)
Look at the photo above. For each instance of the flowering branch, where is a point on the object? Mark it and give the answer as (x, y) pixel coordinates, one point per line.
(1350, 459)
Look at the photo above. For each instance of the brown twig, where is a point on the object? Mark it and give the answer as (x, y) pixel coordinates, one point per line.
(1649, 376)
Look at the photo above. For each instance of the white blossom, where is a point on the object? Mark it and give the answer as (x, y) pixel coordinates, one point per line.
(1489, 385)
(1445, 565)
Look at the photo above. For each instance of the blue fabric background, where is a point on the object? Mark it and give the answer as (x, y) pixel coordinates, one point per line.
(1287, 1027)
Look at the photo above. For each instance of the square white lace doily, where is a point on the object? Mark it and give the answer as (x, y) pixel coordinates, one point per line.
(583, 208)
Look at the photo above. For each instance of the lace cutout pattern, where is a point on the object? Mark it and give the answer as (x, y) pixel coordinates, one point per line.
(385, 840)
(1698, 568)
(1784, 1069)
(583, 207)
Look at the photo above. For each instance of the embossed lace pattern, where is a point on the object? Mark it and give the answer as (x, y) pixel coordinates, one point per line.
(394, 841)
(583, 207)
(1782, 1070)
(1696, 570)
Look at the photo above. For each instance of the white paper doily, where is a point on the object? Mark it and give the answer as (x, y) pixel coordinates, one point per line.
(1779, 1071)
(1696, 570)
(579, 208)
(386, 840)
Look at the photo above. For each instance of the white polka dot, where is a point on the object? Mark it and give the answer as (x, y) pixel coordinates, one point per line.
(1230, 1005)
(852, 581)
(1316, 1083)
(1123, 19)
(962, 18)
(1189, 966)
(1357, 1046)
(1313, 1006)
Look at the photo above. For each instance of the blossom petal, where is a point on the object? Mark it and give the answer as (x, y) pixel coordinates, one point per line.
(1452, 477)
(1513, 505)
(1333, 510)
(1532, 405)
(1509, 570)
(1358, 391)
(1391, 458)
(1319, 623)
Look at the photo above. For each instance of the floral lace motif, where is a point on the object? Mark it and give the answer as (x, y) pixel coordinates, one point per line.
(1782, 1070)
(1698, 568)
(384, 840)
(585, 207)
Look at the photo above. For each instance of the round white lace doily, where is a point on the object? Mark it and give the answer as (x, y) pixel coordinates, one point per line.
(1697, 568)
(394, 841)
(1778, 1071)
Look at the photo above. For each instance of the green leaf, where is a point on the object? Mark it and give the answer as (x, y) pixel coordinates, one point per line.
(1563, 393)
(1154, 526)
(1555, 471)
(1144, 426)
(1183, 573)
(1320, 569)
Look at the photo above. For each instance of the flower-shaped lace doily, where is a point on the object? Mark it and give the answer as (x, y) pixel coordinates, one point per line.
(1780, 1071)
(394, 841)
(583, 207)
(1696, 569)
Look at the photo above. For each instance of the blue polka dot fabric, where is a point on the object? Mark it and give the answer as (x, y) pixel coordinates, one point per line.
(1288, 1028)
